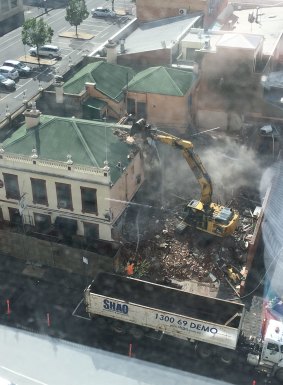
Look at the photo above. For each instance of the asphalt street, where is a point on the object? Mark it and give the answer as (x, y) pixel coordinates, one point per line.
(73, 49)
(49, 301)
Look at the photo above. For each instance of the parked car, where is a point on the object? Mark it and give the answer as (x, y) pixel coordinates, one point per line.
(51, 51)
(102, 12)
(7, 84)
(9, 72)
(22, 68)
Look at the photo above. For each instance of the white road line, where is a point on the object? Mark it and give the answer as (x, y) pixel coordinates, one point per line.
(77, 306)
(15, 97)
(79, 316)
(22, 375)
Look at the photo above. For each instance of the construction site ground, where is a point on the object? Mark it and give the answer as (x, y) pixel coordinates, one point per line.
(195, 261)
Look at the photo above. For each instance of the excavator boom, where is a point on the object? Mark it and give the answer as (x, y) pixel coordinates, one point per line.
(202, 214)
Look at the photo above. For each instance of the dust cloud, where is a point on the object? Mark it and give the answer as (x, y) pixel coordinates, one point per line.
(228, 164)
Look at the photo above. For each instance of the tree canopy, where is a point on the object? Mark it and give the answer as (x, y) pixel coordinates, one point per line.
(76, 13)
(36, 32)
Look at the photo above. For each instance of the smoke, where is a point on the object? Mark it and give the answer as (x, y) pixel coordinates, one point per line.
(229, 166)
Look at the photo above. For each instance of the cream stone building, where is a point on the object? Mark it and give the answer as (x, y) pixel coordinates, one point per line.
(11, 15)
(68, 177)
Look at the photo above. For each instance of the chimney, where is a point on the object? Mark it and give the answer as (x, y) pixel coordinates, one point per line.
(59, 89)
(32, 116)
(111, 56)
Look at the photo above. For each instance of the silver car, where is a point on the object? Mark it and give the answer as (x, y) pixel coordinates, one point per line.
(22, 68)
(51, 51)
(102, 12)
(9, 72)
(7, 84)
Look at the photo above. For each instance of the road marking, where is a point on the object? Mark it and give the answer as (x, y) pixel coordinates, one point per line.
(79, 316)
(77, 306)
(22, 375)
(15, 97)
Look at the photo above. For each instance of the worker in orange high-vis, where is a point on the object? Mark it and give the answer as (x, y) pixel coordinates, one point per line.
(130, 268)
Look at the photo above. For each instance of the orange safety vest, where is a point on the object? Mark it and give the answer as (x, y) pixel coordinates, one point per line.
(130, 269)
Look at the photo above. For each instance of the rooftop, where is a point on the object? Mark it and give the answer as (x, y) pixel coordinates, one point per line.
(89, 143)
(159, 34)
(269, 24)
(109, 79)
(163, 81)
(238, 40)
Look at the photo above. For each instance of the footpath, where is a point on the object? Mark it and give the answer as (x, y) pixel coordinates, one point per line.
(32, 12)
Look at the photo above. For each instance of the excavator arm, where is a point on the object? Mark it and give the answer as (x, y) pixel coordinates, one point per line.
(194, 162)
(203, 215)
(190, 156)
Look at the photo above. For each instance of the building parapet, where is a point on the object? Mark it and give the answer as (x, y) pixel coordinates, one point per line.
(49, 166)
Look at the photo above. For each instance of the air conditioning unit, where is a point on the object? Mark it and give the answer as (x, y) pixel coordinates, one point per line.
(182, 11)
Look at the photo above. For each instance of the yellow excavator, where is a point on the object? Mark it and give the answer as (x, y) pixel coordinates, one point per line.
(200, 214)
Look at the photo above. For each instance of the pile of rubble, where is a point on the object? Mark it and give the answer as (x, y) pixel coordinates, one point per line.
(195, 256)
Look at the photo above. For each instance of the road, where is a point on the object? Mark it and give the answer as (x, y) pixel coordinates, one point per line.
(49, 301)
(72, 49)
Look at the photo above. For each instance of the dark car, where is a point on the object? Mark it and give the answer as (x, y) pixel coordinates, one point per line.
(7, 84)
(22, 68)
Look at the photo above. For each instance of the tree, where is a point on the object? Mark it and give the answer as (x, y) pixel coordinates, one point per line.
(76, 13)
(35, 32)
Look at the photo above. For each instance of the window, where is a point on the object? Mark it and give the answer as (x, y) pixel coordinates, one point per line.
(141, 110)
(15, 218)
(131, 106)
(42, 222)
(64, 196)
(39, 192)
(12, 186)
(89, 202)
(14, 3)
(5, 6)
(190, 53)
(91, 231)
(272, 347)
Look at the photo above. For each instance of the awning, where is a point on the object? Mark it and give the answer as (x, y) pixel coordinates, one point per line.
(96, 104)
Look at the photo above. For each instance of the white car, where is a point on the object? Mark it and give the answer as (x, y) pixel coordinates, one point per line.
(9, 72)
(22, 68)
(102, 12)
(51, 51)
(8, 85)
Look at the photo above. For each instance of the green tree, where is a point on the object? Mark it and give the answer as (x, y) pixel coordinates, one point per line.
(76, 13)
(35, 32)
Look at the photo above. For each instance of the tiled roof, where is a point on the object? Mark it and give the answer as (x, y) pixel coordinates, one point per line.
(110, 79)
(163, 81)
(56, 137)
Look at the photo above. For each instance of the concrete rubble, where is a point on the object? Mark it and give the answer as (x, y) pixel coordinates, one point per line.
(193, 256)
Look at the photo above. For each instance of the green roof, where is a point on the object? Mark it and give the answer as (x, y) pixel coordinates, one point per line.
(110, 79)
(56, 137)
(163, 81)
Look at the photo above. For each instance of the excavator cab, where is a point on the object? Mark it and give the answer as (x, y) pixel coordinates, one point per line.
(214, 219)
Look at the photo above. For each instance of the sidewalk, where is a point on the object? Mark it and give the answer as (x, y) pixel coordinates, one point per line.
(32, 12)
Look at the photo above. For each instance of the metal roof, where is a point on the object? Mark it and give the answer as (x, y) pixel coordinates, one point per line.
(159, 34)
